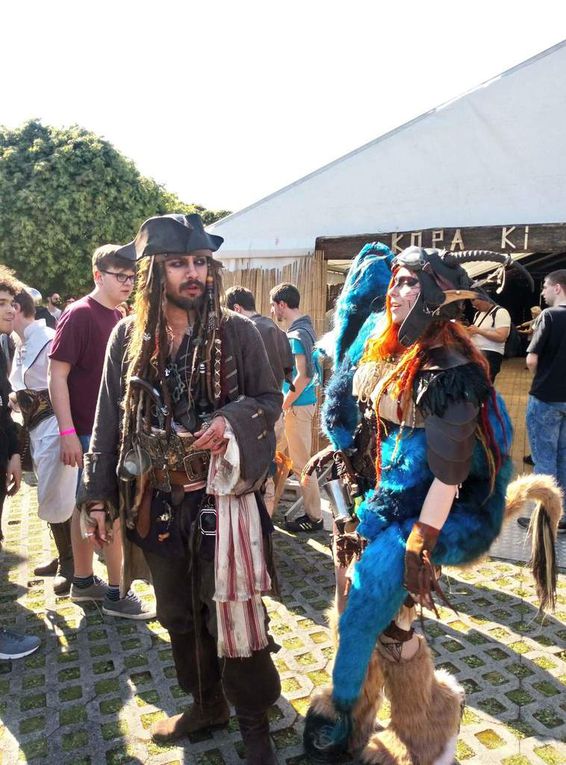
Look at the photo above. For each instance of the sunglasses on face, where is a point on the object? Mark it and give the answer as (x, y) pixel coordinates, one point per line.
(121, 278)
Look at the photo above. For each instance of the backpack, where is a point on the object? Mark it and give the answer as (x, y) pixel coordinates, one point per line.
(513, 345)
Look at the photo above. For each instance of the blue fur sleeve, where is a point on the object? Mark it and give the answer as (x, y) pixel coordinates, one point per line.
(364, 291)
(340, 412)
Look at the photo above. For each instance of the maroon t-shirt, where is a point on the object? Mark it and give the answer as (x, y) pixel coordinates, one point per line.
(80, 339)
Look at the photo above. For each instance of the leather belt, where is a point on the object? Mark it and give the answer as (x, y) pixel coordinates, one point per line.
(177, 478)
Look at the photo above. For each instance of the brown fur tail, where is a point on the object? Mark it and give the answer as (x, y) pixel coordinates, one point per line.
(543, 528)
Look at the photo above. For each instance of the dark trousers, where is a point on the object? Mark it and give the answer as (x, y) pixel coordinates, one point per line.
(184, 589)
(494, 360)
(3, 489)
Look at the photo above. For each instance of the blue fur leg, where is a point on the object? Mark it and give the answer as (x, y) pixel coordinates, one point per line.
(376, 595)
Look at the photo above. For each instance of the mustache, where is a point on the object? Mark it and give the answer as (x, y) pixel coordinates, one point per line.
(191, 283)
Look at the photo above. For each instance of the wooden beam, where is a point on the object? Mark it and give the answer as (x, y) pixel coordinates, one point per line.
(543, 237)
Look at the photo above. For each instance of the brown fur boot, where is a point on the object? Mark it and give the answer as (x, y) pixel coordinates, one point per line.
(426, 708)
(366, 709)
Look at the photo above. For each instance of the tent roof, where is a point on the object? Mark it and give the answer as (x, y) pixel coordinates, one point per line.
(495, 155)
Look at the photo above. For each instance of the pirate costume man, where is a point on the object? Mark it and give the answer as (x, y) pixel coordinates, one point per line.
(181, 446)
(420, 443)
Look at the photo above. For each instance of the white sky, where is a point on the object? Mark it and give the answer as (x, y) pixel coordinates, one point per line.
(225, 101)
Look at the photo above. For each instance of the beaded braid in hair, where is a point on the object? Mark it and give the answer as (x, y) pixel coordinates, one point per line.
(400, 380)
(149, 345)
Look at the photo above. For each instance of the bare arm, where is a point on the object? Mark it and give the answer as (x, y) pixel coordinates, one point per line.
(300, 382)
(437, 504)
(71, 451)
(496, 335)
(532, 361)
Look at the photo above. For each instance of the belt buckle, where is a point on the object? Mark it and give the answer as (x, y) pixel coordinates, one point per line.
(207, 522)
(196, 465)
(164, 484)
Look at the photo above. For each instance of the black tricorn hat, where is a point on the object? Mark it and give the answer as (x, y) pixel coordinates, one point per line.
(173, 234)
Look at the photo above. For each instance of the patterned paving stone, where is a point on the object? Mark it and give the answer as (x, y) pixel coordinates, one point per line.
(92, 691)
(97, 684)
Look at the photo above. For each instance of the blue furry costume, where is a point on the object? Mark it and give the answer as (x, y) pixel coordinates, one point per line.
(387, 513)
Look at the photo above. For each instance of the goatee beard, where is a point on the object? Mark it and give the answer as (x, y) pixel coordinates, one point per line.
(186, 303)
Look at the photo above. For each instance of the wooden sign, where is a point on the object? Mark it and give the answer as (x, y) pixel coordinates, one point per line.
(515, 238)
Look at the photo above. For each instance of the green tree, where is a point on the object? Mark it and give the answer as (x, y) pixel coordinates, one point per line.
(64, 192)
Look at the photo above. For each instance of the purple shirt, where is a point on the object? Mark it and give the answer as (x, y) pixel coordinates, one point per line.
(80, 340)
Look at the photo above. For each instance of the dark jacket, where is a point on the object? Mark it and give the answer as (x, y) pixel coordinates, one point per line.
(277, 347)
(8, 429)
(252, 406)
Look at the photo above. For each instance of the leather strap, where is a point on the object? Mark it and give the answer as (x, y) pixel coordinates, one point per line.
(177, 478)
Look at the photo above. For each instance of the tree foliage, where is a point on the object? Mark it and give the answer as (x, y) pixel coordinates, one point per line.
(64, 192)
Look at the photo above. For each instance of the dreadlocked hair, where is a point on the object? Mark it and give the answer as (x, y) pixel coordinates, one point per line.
(399, 383)
(150, 339)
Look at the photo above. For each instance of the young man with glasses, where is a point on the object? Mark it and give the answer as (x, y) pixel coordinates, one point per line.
(75, 371)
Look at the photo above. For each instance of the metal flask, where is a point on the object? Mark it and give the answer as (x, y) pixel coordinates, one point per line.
(339, 499)
(136, 462)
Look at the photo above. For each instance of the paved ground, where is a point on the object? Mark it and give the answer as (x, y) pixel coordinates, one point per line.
(95, 686)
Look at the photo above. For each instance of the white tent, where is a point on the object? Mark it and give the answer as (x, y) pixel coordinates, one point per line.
(493, 156)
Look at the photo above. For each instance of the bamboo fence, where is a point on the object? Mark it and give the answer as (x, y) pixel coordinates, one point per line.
(308, 274)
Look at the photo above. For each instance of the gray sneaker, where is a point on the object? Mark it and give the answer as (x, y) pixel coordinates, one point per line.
(16, 646)
(129, 607)
(96, 591)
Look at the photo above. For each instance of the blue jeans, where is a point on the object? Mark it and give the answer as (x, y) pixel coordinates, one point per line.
(546, 426)
(85, 443)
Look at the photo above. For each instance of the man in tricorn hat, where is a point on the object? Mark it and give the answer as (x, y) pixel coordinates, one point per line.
(185, 419)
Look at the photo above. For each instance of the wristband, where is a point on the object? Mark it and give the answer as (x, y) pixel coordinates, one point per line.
(68, 432)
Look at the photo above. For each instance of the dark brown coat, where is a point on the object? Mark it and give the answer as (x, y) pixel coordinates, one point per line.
(252, 407)
(277, 346)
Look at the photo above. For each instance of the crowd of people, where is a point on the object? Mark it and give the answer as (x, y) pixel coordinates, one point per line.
(162, 435)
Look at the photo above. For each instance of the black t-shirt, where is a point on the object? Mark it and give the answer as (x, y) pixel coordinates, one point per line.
(549, 343)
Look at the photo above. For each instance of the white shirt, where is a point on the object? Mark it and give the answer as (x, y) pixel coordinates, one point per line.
(495, 318)
(29, 368)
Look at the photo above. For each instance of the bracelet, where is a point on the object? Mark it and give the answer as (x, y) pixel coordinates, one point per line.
(68, 432)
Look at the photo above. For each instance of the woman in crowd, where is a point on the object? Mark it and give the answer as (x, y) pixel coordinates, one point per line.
(423, 447)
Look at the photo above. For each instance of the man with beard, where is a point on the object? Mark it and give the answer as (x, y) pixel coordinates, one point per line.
(185, 418)
(54, 305)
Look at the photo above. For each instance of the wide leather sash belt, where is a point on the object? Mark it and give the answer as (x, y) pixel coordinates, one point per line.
(177, 478)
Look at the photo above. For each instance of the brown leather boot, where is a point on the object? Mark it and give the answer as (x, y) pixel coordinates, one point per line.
(254, 727)
(66, 568)
(47, 569)
(212, 714)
